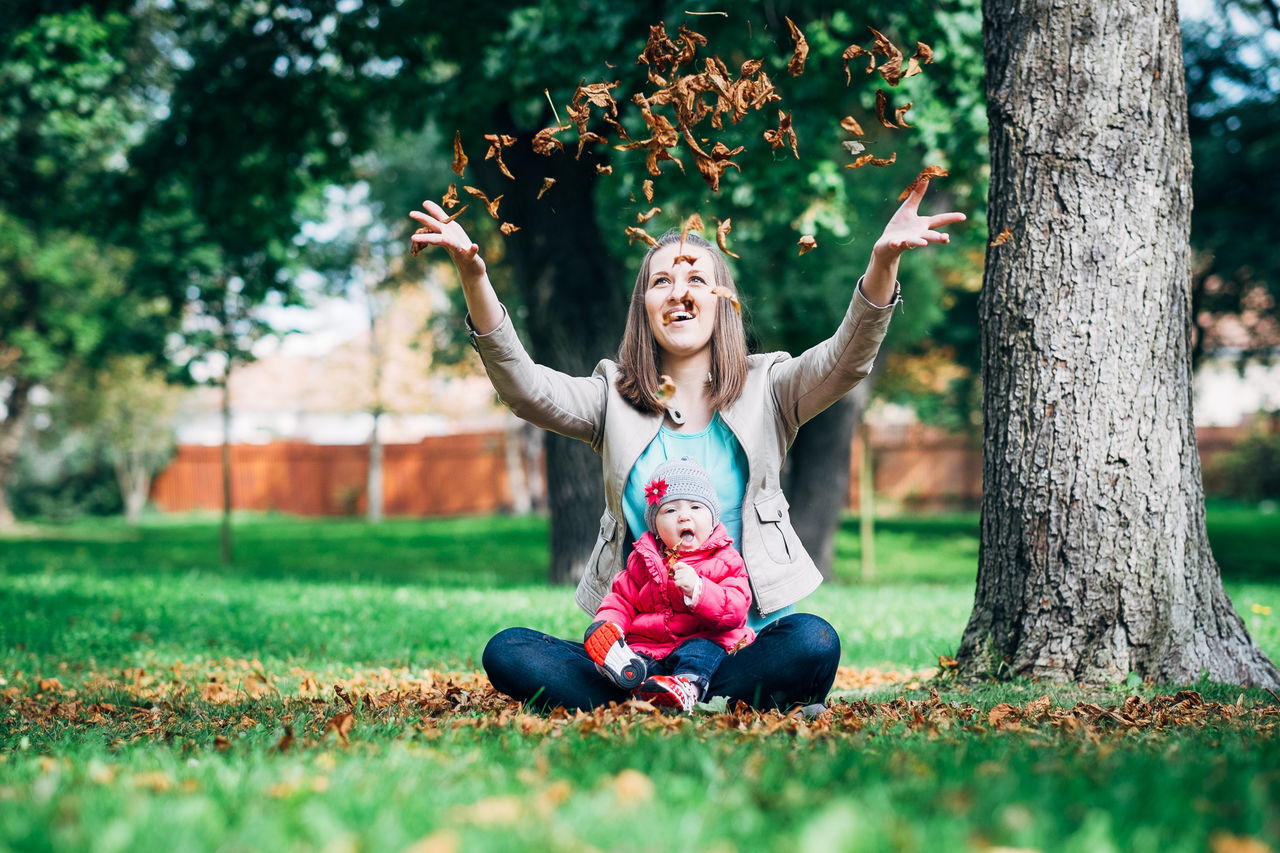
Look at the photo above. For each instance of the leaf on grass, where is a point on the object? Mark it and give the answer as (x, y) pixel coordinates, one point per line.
(633, 787)
(342, 694)
(221, 744)
(796, 66)
(929, 173)
(286, 741)
(850, 124)
(490, 205)
(153, 780)
(459, 158)
(341, 725)
(1003, 716)
(807, 243)
(635, 233)
(642, 218)
(722, 235)
(1002, 237)
(508, 229)
(450, 200)
(872, 160)
(51, 684)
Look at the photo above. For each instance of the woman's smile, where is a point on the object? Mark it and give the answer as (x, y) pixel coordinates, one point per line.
(679, 302)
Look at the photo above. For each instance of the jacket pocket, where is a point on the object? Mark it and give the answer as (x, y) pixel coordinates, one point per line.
(781, 542)
(600, 567)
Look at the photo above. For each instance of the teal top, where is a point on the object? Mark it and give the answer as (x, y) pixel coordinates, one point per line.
(716, 449)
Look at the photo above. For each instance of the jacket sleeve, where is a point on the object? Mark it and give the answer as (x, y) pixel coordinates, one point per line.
(726, 594)
(806, 385)
(619, 604)
(572, 406)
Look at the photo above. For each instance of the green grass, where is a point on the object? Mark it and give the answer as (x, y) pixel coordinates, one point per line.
(141, 620)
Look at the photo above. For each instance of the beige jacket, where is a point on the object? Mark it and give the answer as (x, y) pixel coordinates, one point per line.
(780, 394)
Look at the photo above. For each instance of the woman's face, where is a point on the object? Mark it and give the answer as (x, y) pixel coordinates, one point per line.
(679, 302)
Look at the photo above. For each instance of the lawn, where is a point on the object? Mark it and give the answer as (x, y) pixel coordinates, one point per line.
(151, 698)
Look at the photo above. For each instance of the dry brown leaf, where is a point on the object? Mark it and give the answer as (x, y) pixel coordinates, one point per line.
(647, 189)
(1002, 237)
(853, 51)
(286, 741)
(459, 158)
(341, 725)
(508, 229)
(666, 388)
(491, 205)
(807, 243)
(850, 124)
(693, 223)
(929, 173)
(633, 787)
(497, 143)
(547, 183)
(722, 235)
(784, 135)
(545, 142)
(221, 744)
(725, 293)
(872, 160)
(635, 233)
(796, 66)
(450, 200)
(684, 259)
(922, 56)
(882, 103)
(642, 218)
(900, 114)
(604, 169)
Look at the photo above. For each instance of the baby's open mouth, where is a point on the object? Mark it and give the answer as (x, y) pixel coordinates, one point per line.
(687, 537)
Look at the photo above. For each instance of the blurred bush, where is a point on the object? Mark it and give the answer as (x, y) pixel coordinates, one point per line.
(1250, 471)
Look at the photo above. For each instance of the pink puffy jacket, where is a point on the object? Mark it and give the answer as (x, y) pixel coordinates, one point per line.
(651, 609)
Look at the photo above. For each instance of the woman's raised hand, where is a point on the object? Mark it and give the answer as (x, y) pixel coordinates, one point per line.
(908, 229)
(442, 231)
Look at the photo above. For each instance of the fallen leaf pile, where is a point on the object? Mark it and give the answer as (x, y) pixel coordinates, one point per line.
(690, 99)
(237, 696)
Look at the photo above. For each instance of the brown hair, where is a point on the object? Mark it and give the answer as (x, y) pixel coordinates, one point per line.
(639, 360)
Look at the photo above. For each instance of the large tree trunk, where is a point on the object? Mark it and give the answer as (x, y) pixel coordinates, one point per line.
(575, 297)
(818, 483)
(1094, 561)
(11, 432)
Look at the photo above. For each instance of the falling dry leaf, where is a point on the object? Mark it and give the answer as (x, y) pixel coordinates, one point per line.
(604, 169)
(490, 205)
(853, 147)
(666, 388)
(1002, 237)
(450, 200)
(891, 68)
(459, 158)
(725, 293)
(642, 218)
(784, 135)
(684, 259)
(853, 51)
(647, 189)
(722, 234)
(547, 183)
(899, 115)
(929, 173)
(922, 56)
(508, 229)
(850, 124)
(807, 243)
(545, 142)
(872, 160)
(497, 143)
(693, 223)
(882, 103)
(635, 233)
(796, 66)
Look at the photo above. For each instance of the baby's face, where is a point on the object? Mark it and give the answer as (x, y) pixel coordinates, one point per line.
(683, 525)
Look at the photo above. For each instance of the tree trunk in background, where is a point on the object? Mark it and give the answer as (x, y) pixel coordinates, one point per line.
(1094, 561)
(574, 305)
(373, 481)
(11, 432)
(226, 549)
(817, 484)
(135, 484)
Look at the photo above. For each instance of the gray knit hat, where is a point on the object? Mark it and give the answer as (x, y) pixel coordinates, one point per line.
(679, 479)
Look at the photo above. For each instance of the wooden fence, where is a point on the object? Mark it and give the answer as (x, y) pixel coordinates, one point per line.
(914, 467)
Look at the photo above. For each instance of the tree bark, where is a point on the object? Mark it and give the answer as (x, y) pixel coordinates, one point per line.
(574, 298)
(818, 481)
(1094, 561)
(12, 429)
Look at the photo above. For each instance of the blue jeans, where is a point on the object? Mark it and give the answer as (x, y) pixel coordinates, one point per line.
(792, 662)
(698, 658)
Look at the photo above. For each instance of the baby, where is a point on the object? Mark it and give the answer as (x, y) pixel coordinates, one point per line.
(681, 603)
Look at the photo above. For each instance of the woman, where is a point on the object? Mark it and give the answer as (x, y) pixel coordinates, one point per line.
(735, 413)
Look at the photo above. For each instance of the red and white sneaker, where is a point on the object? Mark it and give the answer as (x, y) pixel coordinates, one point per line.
(613, 657)
(668, 691)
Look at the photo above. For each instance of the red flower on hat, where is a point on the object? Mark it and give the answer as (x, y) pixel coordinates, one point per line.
(655, 491)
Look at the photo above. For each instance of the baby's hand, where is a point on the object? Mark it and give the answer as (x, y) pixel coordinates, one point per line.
(686, 579)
